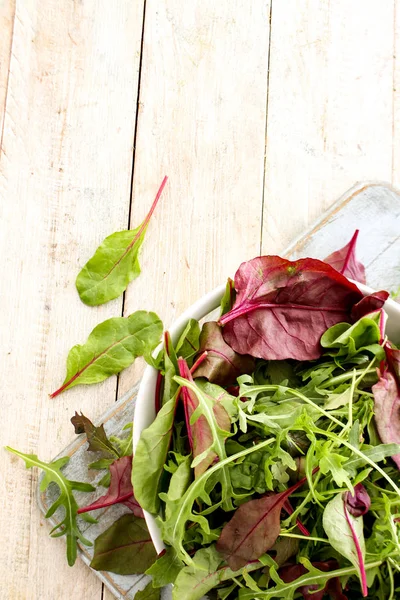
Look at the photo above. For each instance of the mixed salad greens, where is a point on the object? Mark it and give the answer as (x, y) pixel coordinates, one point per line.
(273, 462)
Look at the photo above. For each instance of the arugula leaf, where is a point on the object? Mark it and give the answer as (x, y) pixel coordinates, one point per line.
(114, 264)
(125, 548)
(120, 490)
(280, 304)
(345, 261)
(165, 569)
(387, 410)
(207, 422)
(96, 436)
(332, 462)
(222, 365)
(346, 535)
(52, 474)
(111, 347)
(148, 593)
(333, 587)
(254, 528)
(150, 457)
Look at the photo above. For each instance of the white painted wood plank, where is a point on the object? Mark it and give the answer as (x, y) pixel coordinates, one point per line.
(202, 123)
(330, 108)
(7, 13)
(64, 184)
(396, 99)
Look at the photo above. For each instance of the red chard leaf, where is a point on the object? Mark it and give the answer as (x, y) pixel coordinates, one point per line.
(283, 308)
(387, 410)
(222, 365)
(369, 304)
(333, 587)
(254, 528)
(345, 261)
(120, 490)
(199, 433)
(358, 504)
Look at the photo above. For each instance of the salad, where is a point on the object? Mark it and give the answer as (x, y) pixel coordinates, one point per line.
(273, 462)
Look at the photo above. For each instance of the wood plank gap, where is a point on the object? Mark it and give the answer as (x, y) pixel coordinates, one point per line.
(8, 78)
(133, 160)
(266, 128)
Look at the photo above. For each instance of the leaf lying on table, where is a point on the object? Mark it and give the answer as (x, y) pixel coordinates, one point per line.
(115, 263)
(282, 307)
(222, 365)
(96, 436)
(254, 528)
(120, 490)
(148, 593)
(111, 347)
(53, 474)
(125, 548)
(345, 261)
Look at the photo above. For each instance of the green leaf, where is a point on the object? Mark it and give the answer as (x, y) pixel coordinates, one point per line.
(96, 436)
(150, 457)
(124, 445)
(189, 342)
(148, 593)
(376, 454)
(332, 462)
(52, 474)
(125, 548)
(170, 369)
(165, 569)
(344, 533)
(228, 299)
(114, 264)
(346, 341)
(111, 347)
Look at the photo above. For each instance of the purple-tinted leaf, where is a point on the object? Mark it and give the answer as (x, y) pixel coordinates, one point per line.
(360, 553)
(253, 529)
(387, 410)
(283, 308)
(199, 433)
(369, 304)
(333, 587)
(345, 261)
(120, 490)
(393, 358)
(222, 365)
(358, 504)
(96, 436)
(290, 510)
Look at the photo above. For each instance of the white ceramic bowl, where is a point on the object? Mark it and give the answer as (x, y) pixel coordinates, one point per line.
(145, 408)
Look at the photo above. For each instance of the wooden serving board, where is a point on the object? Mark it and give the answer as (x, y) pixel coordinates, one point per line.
(374, 209)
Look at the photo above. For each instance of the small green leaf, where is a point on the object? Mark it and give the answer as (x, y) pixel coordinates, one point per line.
(96, 436)
(228, 299)
(114, 264)
(52, 474)
(111, 347)
(165, 569)
(148, 593)
(331, 462)
(189, 342)
(125, 548)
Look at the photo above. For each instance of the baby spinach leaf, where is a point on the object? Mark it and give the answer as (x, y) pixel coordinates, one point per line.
(345, 261)
(222, 365)
(114, 264)
(344, 341)
(150, 457)
(253, 529)
(228, 299)
(189, 343)
(280, 304)
(148, 593)
(387, 410)
(120, 490)
(165, 569)
(96, 436)
(52, 474)
(124, 548)
(346, 535)
(111, 347)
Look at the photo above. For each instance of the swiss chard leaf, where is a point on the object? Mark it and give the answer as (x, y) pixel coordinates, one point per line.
(125, 548)
(345, 261)
(369, 304)
(222, 365)
(96, 436)
(52, 474)
(346, 535)
(120, 490)
(253, 529)
(111, 347)
(280, 304)
(114, 264)
(387, 410)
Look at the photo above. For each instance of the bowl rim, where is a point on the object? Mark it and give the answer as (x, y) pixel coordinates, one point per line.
(145, 414)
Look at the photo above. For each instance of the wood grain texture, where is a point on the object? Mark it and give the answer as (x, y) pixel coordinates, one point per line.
(396, 97)
(65, 175)
(202, 123)
(330, 109)
(7, 14)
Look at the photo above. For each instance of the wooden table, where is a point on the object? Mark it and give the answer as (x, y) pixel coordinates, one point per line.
(261, 113)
